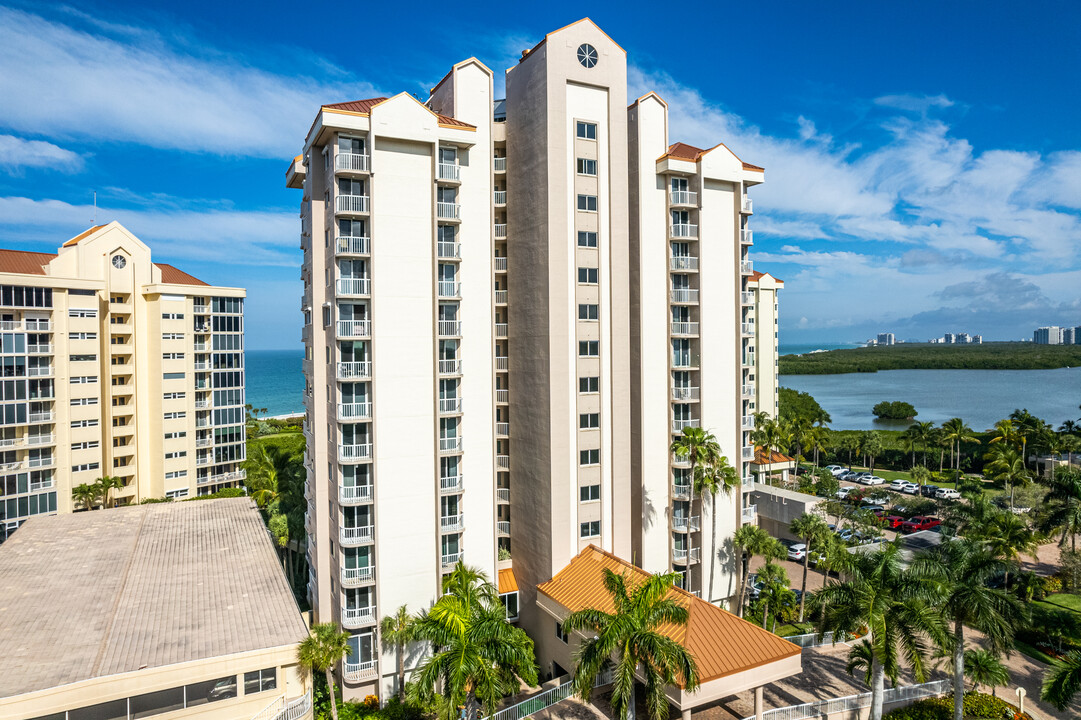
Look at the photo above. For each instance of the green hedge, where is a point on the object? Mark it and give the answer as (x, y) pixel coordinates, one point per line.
(977, 706)
(923, 356)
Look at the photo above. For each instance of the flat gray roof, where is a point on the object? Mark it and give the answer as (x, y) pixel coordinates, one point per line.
(99, 593)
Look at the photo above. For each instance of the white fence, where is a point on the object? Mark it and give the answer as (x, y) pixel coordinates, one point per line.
(825, 708)
(535, 704)
(811, 639)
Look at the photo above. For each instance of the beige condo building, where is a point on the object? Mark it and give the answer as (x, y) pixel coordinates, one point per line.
(762, 342)
(512, 307)
(115, 365)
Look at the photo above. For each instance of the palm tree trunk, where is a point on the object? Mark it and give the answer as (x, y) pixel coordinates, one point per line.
(333, 699)
(765, 612)
(743, 585)
(712, 544)
(803, 588)
(878, 686)
(471, 707)
(958, 671)
(401, 672)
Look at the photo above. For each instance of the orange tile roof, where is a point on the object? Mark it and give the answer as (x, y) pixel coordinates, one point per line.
(683, 151)
(364, 107)
(721, 643)
(82, 235)
(26, 263)
(748, 166)
(756, 276)
(761, 457)
(174, 276)
(507, 582)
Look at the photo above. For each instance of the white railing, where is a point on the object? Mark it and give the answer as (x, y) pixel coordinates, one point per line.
(202, 404)
(684, 328)
(502, 494)
(450, 484)
(500, 264)
(689, 360)
(748, 360)
(685, 393)
(450, 328)
(354, 493)
(40, 439)
(356, 617)
(452, 523)
(748, 206)
(684, 295)
(499, 164)
(685, 524)
(502, 362)
(500, 197)
(502, 429)
(826, 708)
(450, 405)
(746, 267)
(747, 452)
(501, 297)
(684, 197)
(354, 286)
(746, 237)
(503, 527)
(748, 390)
(361, 370)
(447, 210)
(361, 671)
(450, 367)
(202, 422)
(448, 288)
(41, 462)
(354, 328)
(351, 577)
(449, 171)
(445, 249)
(501, 330)
(45, 484)
(6, 467)
(46, 371)
(679, 423)
(202, 460)
(200, 347)
(683, 262)
(748, 513)
(10, 442)
(40, 417)
(684, 230)
(354, 245)
(502, 462)
(351, 161)
(812, 639)
(201, 309)
(682, 556)
(747, 481)
(534, 704)
(448, 561)
(502, 395)
(356, 535)
(747, 422)
(500, 230)
(351, 203)
(355, 411)
(681, 492)
(746, 298)
(39, 349)
(355, 452)
(450, 444)
(747, 329)
(202, 366)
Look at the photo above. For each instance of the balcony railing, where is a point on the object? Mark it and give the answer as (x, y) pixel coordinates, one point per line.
(39, 349)
(447, 210)
(46, 371)
(41, 417)
(500, 297)
(679, 423)
(748, 206)
(746, 298)
(358, 617)
(354, 245)
(502, 429)
(355, 370)
(354, 328)
(681, 492)
(501, 330)
(349, 494)
(354, 286)
(41, 462)
(450, 367)
(683, 262)
(747, 452)
(448, 288)
(747, 481)
(450, 444)
(203, 404)
(353, 577)
(28, 325)
(747, 423)
(450, 405)
(686, 230)
(10, 442)
(689, 360)
(502, 362)
(202, 366)
(450, 171)
(748, 513)
(202, 460)
(355, 162)
(748, 360)
(684, 295)
(746, 267)
(747, 329)
(502, 462)
(683, 197)
(448, 561)
(351, 204)
(355, 411)
(452, 523)
(500, 263)
(502, 395)
(450, 328)
(748, 390)
(499, 164)
(451, 484)
(360, 671)
(684, 556)
(684, 328)
(502, 527)
(10, 466)
(502, 495)
(201, 309)
(681, 523)
(499, 197)
(685, 393)
(448, 250)
(500, 230)
(356, 535)
(746, 237)
(355, 452)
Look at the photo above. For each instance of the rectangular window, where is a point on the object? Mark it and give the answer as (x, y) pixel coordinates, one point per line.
(172, 336)
(560, 634)
(84, 401)
(85, 466)
(173, 376)
(589, 421)
(175, 475)
(80, 313)
(174, 435)
(172, 356)
(89, 445)
(588, 312)
(176, 454)
(587, 167)
(210, 691)
(589, 457)
(84, 423)
(587, 276)
(589, 384)
(587, 239)
(182, 492)
(260, 681)
(82, 336)
(84, 379)
(591, 529)
(172, 316)
(589, 493)
(587, 203)
(174, 396)
(175, 415)
(589, 348)
(83, 358)
(587, 131)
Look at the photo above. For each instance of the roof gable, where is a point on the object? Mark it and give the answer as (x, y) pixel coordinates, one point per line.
(23, 262)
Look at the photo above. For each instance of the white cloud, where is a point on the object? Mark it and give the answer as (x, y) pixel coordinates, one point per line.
(18, 153)
(117, 83)
(914, 103)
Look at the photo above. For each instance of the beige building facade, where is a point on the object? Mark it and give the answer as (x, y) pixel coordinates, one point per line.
(762, 340)
(115, 365)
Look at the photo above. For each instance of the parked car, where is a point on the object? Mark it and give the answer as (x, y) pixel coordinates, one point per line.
(920, 522)
(844, 492)
(846, 534)
(911, 489)
(797, 551)
(929, 490)
(893, 521)
(874, 480)
(847, 475)
(755, 589)
(873, 507)
(835, 469)
(947, 494)
(898, 484)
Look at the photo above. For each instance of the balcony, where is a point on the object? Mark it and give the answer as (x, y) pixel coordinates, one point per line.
(502, 429)
(202, 460)
(449, 172)
(502, 462)
(684, 295)
(501, 330)
(450, 406)
(681, 492)
(748, 206)
(679, 423)
(746, 237)
(202, 367)
(203, 404)
(10, 442)
(353, 453)
(502, 362)
(353, 245)
(748, 360)
(451, 484)
(360, 672)
(201, 347)
(684, 230)
(681, 461)
(448, 289)
(452, 523)
(203, 442)
(358, 617)
(447, 210)
(500, 231)
(354, 494)
(354, 536)
(354, 328)
(448, 561)
(499, 197)
(351, 204)
(747, 329)
(748, 513)
(39, 440)
(448, 250)
(354, 286)
(502, 396)
(746, 267)
(499, 263)
(748, 390)
(682, 394)
(684, 328)
(747, 422)
(351, 162)
(39, 349)
(747, 453)
(41, 462)
(355, 370)
(41, 417)
(11, 466)
(201, 309)
(682, 262)
(355, 411)
(452, 366)
(748, 482)
(746, 298)
(355, 577)
(502, 495)
(499, 164)
(501, 297)
(27, 325)
(685, 557)
(685, 524)
(502, 528)
(450, 444)
(683, 197)
(46, 371)
(686, 361)
(450, 328)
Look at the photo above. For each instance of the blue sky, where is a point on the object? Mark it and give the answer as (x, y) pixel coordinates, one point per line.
(923, 159)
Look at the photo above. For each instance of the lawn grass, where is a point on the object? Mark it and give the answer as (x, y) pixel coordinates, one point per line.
(1064, 601)
(794, 629)
(1035, 654)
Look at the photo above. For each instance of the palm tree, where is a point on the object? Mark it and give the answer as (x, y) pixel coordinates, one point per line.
(1008, 465)
(1008, 537)
(924, 432)
(630, 638)
(1063, 508)
(720, 477)
(920, 475)
(476, 657)
(910, 439)
(702, 449)
(105, 485)
(774, 590)
(751, 540)
(861, 657)
(983, 667)
(1062, 681)
(871, 443)
(1070, 427)
(815, 437)
(892, 604)
(320, 652)
(397, 632)
(812, 530)
(960, 570)
(86, 494)
(958, 432)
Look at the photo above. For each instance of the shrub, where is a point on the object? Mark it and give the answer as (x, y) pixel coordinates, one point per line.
(977, 705)
(1052, 585)
(896, 410)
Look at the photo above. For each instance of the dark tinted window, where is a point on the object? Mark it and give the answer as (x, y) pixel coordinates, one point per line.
(157, 702)
(114, 710)
(211, 690)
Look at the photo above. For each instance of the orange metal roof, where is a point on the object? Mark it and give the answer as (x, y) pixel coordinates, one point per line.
(761, 457)
(83, 234)
(507, 582)
(683, 151)
(174, 276)
(721, 643)
(364, 107)
(756, 276)
(21, 261)
(748, 166)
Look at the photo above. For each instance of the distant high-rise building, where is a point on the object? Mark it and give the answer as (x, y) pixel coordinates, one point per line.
(949, 338)
(1051, 335)
(962, 338)
(886, 339)
(977, 339)
(762, 342)
(1069, 336)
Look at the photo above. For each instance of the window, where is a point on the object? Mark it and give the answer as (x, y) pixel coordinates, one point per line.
(174, 435)
(587, 167)
(589, 493)
(587, 131)
(211, 691)
(589, 421)
(75, 402)
(84, 423)
(176, 454)
(260, 681)
(172, 336)
(82, 336)
(89, 445)
(80, 313)
(84, 379)
(173, 376)
(175, 475)
(174, 396)
(588, 312)
(589, 348)
(589, 384)
(182, 492)
(587, 276)
(560, 634)
(591, 529)
(172, 356)
(587, 239)
(83, 358)
(155, 703)
(587, 203)
(589, 457)
(175, 415)
(172, 316)
(85, 466)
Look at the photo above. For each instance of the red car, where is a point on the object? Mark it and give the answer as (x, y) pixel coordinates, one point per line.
(920, 522)
(893, 521)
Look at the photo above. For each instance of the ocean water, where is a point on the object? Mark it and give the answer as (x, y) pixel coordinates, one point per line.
(800, 349)
(275, 381)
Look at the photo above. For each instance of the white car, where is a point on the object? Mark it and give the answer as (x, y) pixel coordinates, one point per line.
(874, 480)
(797, 551)
(844, 492)
(898, 485)
(835, 470)
(947, 494)
(911, 489)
